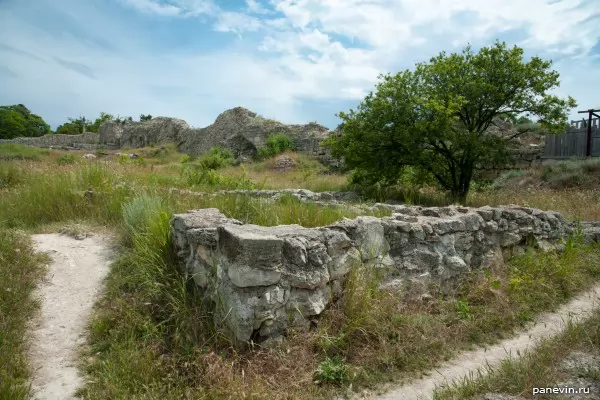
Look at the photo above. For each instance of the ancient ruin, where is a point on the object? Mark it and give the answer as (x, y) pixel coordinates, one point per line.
(263, 280)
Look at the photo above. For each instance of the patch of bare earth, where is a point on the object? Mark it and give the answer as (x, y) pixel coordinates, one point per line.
(74, 280)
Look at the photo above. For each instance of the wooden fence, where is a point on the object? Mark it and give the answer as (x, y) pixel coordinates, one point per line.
(574, 142)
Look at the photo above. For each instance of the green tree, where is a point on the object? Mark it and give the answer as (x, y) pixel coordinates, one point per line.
(95, 127)
(75, 126)
(437, 117)
(145, 117)
(17, 120)
(523, 120)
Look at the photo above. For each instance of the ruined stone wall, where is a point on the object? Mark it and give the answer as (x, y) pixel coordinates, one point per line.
(266, 279)
(84, 141)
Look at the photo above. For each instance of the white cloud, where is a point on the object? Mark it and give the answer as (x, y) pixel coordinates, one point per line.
(150, 6)
(236, 22)
(305, 52)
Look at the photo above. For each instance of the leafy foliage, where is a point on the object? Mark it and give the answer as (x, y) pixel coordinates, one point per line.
(437, 117)
(217, 157)
(331, 370)
(79, 125)
(276, 144)
(145, 117)
(18, 121)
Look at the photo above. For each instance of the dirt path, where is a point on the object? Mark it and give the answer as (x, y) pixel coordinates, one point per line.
(67, 295)
(467, 363)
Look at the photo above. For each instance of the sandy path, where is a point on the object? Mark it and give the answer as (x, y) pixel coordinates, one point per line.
(74, 280)
(467, 363)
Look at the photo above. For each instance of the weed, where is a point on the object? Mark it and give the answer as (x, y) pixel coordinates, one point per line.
(331, 370)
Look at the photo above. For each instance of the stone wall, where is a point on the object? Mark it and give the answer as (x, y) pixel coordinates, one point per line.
(84, 141)
(266, 279)
(240, 130)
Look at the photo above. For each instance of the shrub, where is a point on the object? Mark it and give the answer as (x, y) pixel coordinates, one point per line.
(216, 158)
(276, 144)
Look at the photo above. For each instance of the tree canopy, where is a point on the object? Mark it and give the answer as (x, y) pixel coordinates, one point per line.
(438, 117)
(17, 120)
(79, 125)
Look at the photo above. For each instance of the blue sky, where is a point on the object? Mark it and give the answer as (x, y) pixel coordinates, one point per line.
(292, 60)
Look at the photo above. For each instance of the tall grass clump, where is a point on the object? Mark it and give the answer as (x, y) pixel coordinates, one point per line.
(139, 213)
(21, 268)
(11, 175)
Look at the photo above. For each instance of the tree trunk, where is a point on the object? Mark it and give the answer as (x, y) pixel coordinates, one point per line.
(460, 191)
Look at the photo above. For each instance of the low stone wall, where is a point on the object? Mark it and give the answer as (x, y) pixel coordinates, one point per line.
(300, 194)
(264, 280)
(84, 141)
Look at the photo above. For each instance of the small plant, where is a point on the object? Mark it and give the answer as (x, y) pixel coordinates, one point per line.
(464, 310)
(185, 159)
(67, 159)
(331, 370)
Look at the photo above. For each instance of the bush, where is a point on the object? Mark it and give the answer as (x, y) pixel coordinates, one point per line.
(216, 158)
(276, 144)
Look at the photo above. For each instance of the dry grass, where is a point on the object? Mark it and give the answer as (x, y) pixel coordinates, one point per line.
(20, 271)
(151, 338)
(575, 204)
(149, 342)
(539, 368)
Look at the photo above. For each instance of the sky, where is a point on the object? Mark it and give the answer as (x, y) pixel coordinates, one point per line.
(296, 61)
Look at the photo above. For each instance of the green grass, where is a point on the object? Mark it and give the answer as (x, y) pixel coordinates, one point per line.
(20, 270)
(152, 338)
(540, 367)
(44, 198)
(11, 175)
(10, 151)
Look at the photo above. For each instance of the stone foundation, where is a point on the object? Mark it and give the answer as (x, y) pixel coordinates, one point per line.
(264, 280)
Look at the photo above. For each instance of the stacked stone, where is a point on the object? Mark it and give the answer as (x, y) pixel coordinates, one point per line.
(263, 280)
